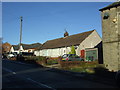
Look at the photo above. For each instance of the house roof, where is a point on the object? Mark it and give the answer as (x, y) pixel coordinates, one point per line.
(31, 46)
(115, 4)
(27, 46)
(16, 47)
(66, 41)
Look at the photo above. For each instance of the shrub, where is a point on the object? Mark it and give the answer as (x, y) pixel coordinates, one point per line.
(30, 58)
(72, 50)
(53, 61)
(36, 58)
(41, 58)
(79, 66)
(71, 63)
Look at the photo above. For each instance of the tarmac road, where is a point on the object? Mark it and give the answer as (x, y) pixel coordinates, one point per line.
(21, 75)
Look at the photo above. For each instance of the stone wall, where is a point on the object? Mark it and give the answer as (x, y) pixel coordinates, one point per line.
(111, 38)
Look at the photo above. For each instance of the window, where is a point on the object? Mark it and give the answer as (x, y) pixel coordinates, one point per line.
(76, 47)
(64, 56)
(106, 15)
(64, 51)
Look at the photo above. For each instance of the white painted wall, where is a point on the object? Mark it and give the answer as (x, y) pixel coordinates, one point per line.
(22, 50)
(37, 53)
(53, 52)
(12, 49)
(90, 42)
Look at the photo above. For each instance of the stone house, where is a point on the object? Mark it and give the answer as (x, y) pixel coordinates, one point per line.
(61, 46)
(111, 36)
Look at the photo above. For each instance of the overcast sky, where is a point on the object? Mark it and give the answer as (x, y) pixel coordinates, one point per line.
(44, 21)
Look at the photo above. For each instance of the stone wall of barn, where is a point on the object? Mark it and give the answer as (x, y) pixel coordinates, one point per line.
(111, 38)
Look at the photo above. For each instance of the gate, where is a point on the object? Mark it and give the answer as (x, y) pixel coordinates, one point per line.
(91, 54)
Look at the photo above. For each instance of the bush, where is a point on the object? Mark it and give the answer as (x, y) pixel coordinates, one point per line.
(41, 58)
(35, 58)
(79, 66)
(71, 63)
(29, 58)
(72, 50)
(53, 61)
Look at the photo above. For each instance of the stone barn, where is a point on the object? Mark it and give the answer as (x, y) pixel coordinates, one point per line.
(111, 36)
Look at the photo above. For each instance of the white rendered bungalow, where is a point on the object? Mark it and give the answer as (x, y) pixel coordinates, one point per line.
(16, 49)
(25, 47)
(61, 46)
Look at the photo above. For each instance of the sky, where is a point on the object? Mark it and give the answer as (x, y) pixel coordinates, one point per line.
(44, 21)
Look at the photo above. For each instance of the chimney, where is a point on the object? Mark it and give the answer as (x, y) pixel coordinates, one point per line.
(66, 34)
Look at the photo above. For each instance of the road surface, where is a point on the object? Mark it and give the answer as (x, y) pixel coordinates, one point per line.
(21, 75)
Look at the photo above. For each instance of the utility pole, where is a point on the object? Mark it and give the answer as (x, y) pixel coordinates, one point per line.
(20, 34)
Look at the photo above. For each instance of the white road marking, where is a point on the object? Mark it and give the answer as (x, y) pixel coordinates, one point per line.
(41, 84)
(21, 63)
(8, 70)
(14, 72)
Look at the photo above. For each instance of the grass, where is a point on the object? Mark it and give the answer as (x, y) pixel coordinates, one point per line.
(75, 66)
(83, 67)
(52, 61)
(80, 69)
(92, 68)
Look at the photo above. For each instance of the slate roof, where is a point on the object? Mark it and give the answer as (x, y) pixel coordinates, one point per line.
(31, 46)
(27, 46)
(115, 4)
(16, 47)
(66, 41)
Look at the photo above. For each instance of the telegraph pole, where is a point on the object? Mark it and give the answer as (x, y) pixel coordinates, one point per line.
(20, 33)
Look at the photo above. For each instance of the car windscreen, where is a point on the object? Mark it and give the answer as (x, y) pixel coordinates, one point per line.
(73, 55)
(64, 56)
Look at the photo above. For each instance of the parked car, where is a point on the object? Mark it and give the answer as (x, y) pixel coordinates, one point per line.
(27, 53)
(10, 55)
(118, 78)
(4, 55)
(71, 57)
